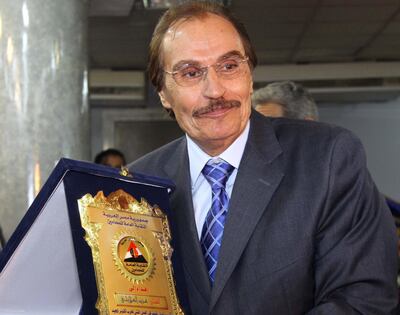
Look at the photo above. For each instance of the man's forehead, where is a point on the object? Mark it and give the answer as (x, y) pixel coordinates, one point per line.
(197, 36)
(183, 24)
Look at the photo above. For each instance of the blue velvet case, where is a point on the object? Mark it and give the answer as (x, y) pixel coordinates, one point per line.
(47, 259)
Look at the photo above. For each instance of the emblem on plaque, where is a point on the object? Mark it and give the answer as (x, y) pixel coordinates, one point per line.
(134, 257)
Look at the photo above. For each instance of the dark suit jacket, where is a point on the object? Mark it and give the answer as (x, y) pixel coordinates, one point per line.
(306, 230)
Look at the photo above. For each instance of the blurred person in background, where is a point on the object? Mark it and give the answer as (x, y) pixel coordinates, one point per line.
(111, 157)
(285, 99)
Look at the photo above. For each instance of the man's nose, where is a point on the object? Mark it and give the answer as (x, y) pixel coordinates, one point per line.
(213, 86)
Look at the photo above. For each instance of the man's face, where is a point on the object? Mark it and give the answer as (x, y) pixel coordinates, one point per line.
(215, 111)
(270, 109)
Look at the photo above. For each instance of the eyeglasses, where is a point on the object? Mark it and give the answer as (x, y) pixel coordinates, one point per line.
(190, 75)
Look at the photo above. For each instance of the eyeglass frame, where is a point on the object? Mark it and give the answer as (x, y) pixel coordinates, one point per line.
(204, 70)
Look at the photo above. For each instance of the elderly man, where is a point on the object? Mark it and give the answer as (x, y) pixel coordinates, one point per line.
(268, 217)
(285, 99)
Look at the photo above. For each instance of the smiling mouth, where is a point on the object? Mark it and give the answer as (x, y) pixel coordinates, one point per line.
(215, 105)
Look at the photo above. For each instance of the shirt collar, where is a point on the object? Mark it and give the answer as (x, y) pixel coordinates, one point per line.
(233, 154)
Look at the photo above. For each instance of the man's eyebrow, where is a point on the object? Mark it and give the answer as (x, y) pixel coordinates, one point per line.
(232, 53)
(181, 63)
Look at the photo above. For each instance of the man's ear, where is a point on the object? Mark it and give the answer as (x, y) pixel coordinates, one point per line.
(163, 100)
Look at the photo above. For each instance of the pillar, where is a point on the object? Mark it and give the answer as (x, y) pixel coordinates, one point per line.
(43, 97)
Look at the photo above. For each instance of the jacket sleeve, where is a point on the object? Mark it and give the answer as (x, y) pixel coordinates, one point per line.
(356, 245)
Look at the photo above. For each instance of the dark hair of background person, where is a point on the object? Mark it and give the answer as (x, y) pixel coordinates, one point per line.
(295, 101)
(102, 157)
(184, 12)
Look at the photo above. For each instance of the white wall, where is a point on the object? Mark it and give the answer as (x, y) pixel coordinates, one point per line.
(378, 127)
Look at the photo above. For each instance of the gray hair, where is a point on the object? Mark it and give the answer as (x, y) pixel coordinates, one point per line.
(295, 100)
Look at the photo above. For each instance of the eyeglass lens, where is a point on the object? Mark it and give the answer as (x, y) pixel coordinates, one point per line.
(229, 68)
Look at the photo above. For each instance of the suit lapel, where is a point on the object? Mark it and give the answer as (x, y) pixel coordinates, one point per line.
(258, 177)
(177, 168)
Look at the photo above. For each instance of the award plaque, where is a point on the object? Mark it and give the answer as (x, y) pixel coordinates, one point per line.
(129, 241)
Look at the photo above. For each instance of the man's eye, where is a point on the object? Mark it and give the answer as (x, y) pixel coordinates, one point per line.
(229, 66)
(190, 73)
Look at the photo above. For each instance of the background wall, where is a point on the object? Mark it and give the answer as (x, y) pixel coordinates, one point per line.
(134, 131)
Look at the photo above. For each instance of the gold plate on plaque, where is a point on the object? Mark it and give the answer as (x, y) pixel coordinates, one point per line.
(131, 255)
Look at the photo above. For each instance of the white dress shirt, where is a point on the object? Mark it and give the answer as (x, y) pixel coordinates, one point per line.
(201, 189)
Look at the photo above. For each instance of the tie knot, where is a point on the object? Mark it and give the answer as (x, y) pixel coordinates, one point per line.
(217, 173)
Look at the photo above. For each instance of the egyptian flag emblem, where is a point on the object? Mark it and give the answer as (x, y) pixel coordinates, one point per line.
(133, 254)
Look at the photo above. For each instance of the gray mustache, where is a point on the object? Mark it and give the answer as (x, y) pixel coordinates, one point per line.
(215, 105)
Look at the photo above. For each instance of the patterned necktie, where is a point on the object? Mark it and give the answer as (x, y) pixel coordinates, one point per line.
(217, 174)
